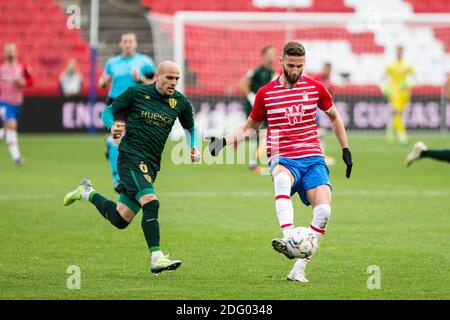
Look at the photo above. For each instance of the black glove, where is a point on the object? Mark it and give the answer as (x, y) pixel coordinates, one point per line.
(347, 157)
(216, 145)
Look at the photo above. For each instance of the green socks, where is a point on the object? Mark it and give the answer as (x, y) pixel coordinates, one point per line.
(107, 209)
(150, 225)
(443, 155)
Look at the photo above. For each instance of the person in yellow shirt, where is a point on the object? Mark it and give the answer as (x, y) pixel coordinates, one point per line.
(398, 92)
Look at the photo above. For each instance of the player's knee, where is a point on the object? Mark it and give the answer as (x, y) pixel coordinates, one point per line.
(122, 224)
(147, 198)
(282, 180)
(10, 124)
(125, 212)
(118, 221)
(150, 210)
(322, 212)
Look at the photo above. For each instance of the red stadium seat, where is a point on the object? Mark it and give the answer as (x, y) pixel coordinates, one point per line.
(443, 34)
(171, 7)
(44, 42)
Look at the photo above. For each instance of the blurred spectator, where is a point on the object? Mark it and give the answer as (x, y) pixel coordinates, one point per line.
(70, 80)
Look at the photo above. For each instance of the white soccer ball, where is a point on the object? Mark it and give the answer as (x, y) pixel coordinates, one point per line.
(302, 243)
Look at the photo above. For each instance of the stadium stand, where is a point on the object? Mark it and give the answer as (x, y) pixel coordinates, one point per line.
(44, 43)
(170, 7)
(355, 52)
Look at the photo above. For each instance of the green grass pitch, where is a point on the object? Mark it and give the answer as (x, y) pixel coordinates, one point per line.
(219, 220)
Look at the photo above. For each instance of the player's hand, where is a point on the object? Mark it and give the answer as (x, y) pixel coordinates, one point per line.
(195, 155)
(136, 75)
(103, 81)
(216, 145)
(117, 129)
(347, 157)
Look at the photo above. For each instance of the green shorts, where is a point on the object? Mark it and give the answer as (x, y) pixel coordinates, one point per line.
(137, 176)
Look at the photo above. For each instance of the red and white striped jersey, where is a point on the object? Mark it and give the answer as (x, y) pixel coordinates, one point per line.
(291, 117)
(9, 74)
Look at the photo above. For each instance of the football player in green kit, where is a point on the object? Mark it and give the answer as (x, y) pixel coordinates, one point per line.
(249, 85)
(152, 111)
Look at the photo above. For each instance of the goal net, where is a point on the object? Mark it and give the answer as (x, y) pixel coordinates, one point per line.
(216, 49)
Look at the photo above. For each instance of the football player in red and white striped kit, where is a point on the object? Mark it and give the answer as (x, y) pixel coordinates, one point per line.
(14, 76)
(293, 148)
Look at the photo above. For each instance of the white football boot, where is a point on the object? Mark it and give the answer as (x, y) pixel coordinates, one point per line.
(414, 154)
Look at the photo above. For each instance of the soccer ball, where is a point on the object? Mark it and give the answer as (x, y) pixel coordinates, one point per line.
(302, 243)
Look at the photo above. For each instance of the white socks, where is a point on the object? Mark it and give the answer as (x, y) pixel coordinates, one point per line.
(156, 255)
(13, 147)
(301, 263)
(321, 215)
(283, 203)
(2, 133)
(87, 192)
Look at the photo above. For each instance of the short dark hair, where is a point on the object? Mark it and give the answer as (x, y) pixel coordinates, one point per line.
(266, 48)
(128, 32)
(293, 48)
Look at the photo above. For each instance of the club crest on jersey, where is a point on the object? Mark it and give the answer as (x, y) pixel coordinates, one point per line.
(305, 95)
(143, 167)
(172, 102)
(294, 113)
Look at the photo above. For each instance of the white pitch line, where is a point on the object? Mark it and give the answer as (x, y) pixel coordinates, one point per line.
(368, 193)
(253, 194)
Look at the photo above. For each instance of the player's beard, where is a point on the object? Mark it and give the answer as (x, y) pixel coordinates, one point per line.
(291, 79)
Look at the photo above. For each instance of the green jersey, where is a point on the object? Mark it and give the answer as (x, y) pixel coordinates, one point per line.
(259, 77)
(150, 119)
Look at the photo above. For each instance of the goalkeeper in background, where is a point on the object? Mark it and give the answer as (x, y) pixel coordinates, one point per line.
(249, 85)
(398, 92)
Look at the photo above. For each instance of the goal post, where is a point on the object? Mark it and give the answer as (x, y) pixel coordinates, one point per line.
(216, 49)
